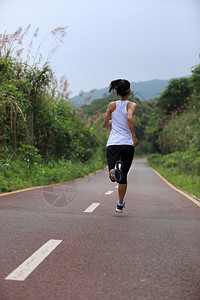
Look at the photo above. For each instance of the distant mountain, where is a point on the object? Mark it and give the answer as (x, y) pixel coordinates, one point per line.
(143, 90)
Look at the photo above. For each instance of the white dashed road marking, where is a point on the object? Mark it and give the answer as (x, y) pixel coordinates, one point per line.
(92, 207)
(108, 192)
(28, 266)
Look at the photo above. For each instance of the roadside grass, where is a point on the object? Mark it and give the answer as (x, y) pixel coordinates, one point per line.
(175, 169)
(19, 175)
(186, 183)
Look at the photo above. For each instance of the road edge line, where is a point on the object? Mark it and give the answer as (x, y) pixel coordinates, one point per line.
(26, 189)
(176, 189)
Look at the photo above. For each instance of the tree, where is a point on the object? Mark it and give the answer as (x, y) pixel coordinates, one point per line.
(176, 96)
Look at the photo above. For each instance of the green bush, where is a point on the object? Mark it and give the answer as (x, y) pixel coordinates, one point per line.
(29, 154)
(187, 162)
(154, 159)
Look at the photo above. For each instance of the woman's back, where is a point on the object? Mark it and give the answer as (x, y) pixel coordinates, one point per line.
(120, 133)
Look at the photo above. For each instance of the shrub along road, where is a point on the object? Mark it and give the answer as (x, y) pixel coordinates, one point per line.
(67, 242)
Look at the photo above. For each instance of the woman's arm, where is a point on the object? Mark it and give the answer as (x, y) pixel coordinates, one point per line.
(107, 122)
(130, 114)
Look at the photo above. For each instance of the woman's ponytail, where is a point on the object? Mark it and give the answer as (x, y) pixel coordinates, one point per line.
(114, 85)
(120, 86)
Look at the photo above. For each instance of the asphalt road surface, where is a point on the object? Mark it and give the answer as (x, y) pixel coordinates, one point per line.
(67, 242)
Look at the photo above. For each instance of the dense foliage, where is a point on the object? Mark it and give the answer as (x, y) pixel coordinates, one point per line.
(174, 130)
(34, 112)
(174, 124)
(37, 123)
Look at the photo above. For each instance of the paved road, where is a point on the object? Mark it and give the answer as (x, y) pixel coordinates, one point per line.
(150, 251)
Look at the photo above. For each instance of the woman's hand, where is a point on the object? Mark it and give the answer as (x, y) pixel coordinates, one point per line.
(135, 141)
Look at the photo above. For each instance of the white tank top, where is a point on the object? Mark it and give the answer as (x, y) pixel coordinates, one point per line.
(120, 133)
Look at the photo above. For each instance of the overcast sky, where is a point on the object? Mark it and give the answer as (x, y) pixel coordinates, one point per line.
(109, 39)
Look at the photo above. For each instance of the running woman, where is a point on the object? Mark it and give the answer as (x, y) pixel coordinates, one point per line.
(122, 138)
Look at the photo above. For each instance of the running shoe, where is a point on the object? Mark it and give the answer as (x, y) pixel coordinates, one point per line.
(118, 171)
(120, 207)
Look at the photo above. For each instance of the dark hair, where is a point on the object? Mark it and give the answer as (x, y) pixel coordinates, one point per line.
(121, 86)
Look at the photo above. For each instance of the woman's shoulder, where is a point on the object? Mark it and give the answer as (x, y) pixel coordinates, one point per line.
(131, 108)
(131, 104)
(112, 106)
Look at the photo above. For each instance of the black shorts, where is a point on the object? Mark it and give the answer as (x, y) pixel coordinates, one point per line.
(125, 153)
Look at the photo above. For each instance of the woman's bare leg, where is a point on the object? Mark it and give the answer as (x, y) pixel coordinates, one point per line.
(121, 192)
